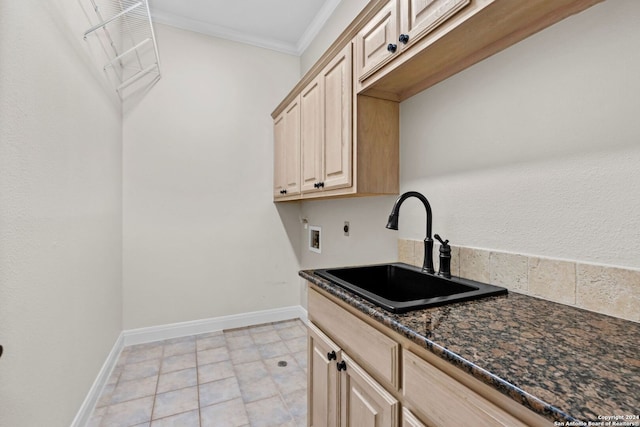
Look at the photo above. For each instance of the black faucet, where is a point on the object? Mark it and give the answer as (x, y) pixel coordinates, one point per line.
(427, 264)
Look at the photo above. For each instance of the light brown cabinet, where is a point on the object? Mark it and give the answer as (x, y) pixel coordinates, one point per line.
(367, 390)
(286, 130)
(373, 40)
(326, 129)
(398, 25)
(347, 145)
(346, 142)
(364, 402)
(323, 380)
(341, 393)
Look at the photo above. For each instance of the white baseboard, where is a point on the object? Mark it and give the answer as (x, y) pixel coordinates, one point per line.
(175, 330)
(182, 329)
(86, 409)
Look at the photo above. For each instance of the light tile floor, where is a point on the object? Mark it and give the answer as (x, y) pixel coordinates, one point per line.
(226, 378)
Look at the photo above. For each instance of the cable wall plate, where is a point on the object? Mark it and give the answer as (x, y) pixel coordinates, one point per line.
(124, 31)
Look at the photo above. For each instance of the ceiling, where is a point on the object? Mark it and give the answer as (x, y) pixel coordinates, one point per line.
(284, 25)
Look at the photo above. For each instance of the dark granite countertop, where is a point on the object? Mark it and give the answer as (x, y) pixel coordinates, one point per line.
(565, 363)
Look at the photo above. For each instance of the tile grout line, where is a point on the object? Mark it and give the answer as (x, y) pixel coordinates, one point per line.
(155, 395)
(198, 381)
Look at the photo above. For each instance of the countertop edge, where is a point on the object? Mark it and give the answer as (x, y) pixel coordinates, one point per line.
(520, 396)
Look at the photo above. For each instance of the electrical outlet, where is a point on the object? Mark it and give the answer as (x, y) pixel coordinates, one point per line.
(315, 241)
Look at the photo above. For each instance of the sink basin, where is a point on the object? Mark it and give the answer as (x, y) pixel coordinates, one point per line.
(400, 288)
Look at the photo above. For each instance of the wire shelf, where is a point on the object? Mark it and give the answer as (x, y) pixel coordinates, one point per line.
(124, 30)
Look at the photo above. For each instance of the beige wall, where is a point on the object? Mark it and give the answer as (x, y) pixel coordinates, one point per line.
(368, 241)
(60, 214)
(202, 237)
(536, 150)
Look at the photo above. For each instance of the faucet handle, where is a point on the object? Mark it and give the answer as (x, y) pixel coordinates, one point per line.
(445, 243)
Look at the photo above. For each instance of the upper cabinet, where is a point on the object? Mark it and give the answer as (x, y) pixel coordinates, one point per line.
(439, 38)
(337, 150)
(337, 132)
(419, 17)
(326, 127)
(374, 42)
(398, 25)
(286, 136)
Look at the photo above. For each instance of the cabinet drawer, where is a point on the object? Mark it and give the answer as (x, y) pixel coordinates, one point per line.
(378, 353)
(440, 400)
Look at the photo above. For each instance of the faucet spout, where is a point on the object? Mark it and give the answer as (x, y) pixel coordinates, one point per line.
(428, 241)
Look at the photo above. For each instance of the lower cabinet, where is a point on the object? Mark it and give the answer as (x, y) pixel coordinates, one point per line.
(323, 380)
(341, 393)
(363, 401)
(369, 376)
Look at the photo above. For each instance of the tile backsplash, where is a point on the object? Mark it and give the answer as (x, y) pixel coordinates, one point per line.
(609, 290)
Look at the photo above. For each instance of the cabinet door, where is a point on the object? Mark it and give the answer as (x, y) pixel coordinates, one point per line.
(278, 156)
(287, 151)
(336, 82)
(323, 380)
(364, 402)
(311, 135)
(373, 39)
(420, 17)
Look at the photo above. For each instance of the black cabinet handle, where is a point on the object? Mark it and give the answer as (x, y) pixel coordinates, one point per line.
(331, 356)
(392, 47)
(342, 366)
(321, 185)
(316, 185)
(404, 38)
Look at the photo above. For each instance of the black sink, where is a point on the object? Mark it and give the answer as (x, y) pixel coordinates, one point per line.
(400, 288)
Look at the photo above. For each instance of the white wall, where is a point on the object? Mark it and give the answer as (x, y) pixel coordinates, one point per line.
(368, 241)
(534, 150)
(202, 237)
(60, 214)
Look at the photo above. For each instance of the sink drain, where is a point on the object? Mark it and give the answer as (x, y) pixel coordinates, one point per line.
(282, 363)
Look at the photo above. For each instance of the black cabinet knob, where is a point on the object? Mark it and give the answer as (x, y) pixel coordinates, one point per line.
(283, 191)
(392, 47)
(342, 366)
(316, 185)
(321, 185)
(331, 356)
(404, 38)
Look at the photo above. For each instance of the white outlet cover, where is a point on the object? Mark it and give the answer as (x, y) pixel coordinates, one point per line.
(315, 238)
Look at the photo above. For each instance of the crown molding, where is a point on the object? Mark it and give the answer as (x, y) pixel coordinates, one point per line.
(316, 25)
(297, 49)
